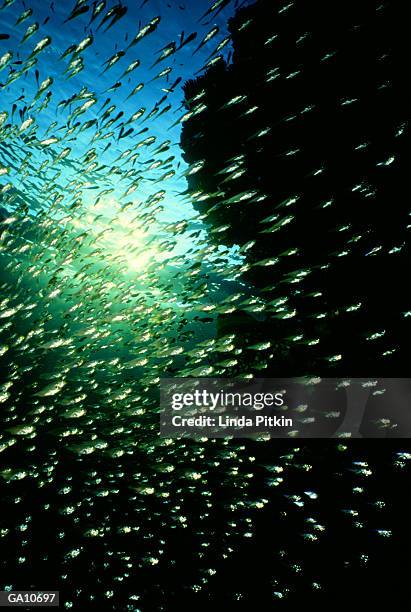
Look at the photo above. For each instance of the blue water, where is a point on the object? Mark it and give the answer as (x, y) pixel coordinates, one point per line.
(176, 16)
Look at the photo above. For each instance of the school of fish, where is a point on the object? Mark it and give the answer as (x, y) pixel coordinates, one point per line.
(108, 283)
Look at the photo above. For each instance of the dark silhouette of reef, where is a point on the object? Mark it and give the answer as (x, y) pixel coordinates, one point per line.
(312, 115)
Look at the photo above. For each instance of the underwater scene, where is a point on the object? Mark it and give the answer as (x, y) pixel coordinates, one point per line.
(194, 189)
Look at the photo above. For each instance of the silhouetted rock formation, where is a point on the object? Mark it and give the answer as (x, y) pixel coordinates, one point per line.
(307, 126)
